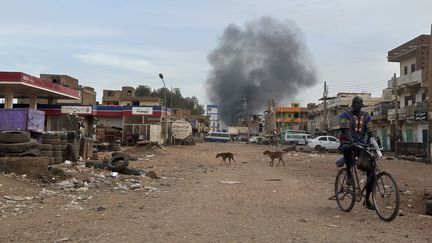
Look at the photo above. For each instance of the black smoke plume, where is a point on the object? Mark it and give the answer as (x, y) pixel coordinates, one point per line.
(265, 60)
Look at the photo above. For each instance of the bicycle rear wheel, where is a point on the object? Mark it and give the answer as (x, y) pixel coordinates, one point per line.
(386, 196)
(345, 195)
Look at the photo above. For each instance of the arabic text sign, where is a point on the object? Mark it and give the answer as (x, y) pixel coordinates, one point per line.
(142, 110)
(181, 129)
(76, 109)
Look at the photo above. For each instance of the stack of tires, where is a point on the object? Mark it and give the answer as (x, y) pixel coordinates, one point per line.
(114, 146)
(18, 143)
(56, 151)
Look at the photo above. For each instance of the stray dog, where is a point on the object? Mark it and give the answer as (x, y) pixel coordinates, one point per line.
(274, 155)
(225, 156)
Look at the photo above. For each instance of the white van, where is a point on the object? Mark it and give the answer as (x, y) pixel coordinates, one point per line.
(297, 138)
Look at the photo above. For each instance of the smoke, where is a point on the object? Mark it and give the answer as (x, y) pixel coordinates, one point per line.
(265, 60)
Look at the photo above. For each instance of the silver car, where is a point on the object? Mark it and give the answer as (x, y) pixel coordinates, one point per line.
(324, 142)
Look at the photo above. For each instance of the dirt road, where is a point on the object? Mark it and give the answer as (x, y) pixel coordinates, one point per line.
(189, 203)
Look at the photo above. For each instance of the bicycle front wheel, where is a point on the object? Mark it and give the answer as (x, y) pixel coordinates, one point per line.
(345, 195)
(386, 196)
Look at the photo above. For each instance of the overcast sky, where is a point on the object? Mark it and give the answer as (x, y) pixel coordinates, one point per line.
(112, 43)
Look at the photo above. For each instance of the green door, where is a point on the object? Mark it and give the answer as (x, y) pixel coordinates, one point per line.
(425, 138)
(409, 135)
(384, 139)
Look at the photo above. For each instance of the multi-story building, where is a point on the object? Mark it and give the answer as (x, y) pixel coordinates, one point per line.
(411, 90)
(126, 97)
(291, 117)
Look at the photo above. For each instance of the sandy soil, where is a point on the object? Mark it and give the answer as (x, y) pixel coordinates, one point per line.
(190, 204)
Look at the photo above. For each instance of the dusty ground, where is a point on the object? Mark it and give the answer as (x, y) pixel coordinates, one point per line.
(190, 204)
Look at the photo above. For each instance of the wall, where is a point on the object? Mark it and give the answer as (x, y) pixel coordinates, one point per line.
(407, 62)
(156, 134)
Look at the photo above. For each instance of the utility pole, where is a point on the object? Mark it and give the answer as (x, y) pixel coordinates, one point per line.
(429, 137)
(325, 93)
(171, 100)
(396, 108)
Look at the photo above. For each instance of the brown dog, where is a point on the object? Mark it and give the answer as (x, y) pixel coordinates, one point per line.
(274, 155)
(225, 156)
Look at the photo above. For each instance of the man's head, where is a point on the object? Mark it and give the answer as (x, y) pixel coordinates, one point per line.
(357, 104)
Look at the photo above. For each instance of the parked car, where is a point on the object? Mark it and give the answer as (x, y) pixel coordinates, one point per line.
(324, 142)
(256, 139)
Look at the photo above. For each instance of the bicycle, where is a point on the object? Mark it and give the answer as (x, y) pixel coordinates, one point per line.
(385, 192)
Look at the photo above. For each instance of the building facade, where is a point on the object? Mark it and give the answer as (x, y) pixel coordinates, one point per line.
(126, 97)
(291, 117)
(334, 108)
(411, 90)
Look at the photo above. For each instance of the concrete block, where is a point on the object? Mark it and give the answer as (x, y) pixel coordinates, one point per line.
(31, 166)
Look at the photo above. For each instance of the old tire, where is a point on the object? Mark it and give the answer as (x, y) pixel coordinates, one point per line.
(118, 163)
(31, 153)
(19, 147)
(48, 153)
(53, 141)
(56, 147)
(14, 136)
(45, 147)
(131, 158)
(50, 136)
(57, 153)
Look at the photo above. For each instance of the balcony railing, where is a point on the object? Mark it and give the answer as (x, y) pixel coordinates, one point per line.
(391, 114)
(408, 79)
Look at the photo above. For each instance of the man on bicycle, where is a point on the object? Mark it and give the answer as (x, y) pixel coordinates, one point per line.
(354, 126)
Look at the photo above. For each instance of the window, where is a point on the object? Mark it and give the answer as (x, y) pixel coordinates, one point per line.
(56, 80)
(409, 135)
(409, 100)
(322, 139)
(332, 139)
(413, 67)
(110, 93)
(129, 93)
(423, 96)
(405, 70)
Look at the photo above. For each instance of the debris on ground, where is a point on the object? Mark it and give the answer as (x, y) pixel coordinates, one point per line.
(152, 174)
(231, 182)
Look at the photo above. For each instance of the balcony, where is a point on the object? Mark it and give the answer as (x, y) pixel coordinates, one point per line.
(409, 79)
(379, 117)
(391, 114)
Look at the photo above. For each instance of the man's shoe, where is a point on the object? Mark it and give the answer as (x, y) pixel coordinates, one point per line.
(350, 180)
(368, 205)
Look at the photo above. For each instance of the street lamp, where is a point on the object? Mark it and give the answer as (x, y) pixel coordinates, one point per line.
(165, 103)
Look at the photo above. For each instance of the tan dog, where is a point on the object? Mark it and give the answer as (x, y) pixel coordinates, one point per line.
(274, 155)
(225, 156)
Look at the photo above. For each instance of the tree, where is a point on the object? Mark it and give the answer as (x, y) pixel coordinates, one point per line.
(172, 97)
(143, 90)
